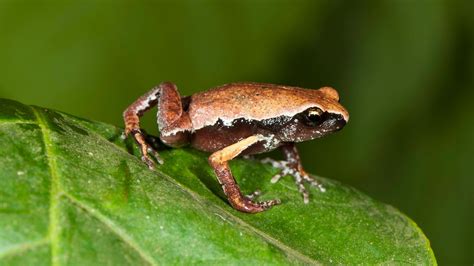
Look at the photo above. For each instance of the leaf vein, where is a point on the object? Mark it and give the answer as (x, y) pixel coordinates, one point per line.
(18, 249)
(112, 226)
(17, 122)
(54, 211)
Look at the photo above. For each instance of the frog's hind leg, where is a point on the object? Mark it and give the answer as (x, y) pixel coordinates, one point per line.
(170, 116)
(218, 160)
(173, 121)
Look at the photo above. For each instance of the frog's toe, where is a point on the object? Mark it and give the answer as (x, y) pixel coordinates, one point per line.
(245, 204)
(277, 177)
(257, 206)
(155, 155)
(281, 165)
(299, 181)
(315, 183)
(299, 175)
(275, 163)
(254, 194)
(149, 162)
(269, 203)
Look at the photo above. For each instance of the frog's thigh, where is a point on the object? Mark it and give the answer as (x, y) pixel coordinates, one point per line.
(174, 124)
(170, 108)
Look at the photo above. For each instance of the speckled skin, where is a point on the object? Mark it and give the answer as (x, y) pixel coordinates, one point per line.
(238, 119)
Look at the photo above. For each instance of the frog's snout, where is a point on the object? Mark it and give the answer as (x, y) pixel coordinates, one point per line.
(335, 122)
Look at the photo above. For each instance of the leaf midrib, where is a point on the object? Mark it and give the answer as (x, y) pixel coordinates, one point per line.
(55, 194)
(53, 229)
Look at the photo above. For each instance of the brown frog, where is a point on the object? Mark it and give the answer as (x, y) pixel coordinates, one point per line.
(240, 119)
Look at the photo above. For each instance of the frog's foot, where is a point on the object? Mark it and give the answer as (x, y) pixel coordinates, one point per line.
(246, 203)
(145, 148)
(299, 175)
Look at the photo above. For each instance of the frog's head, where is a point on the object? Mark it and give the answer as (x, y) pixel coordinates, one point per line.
(324, 116)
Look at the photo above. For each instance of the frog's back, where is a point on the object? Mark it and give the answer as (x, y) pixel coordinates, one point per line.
(251, 101)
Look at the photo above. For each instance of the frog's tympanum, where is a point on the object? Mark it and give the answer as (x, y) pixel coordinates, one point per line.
(240, 119)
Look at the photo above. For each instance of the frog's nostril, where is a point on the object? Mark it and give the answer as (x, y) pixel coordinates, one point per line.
(340, 122)
(335, 122)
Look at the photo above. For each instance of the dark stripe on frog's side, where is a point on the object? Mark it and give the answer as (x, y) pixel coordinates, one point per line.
(278, 131)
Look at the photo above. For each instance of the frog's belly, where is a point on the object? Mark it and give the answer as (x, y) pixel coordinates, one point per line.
(217, 137)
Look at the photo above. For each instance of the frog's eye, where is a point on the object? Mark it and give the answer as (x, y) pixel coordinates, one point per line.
(313, 116)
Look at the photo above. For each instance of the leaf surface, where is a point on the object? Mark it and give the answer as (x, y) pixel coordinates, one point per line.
(72, 191)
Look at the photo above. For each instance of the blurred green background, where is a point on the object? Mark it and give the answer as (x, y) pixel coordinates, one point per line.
(404, 70)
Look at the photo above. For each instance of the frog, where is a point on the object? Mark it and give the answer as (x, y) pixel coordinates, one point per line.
(240, 119)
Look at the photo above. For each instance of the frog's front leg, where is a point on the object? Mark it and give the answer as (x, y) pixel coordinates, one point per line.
(219, 161)
(292, 166)
(173, 122)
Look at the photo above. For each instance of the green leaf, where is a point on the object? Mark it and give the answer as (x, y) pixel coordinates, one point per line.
(74, 192)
